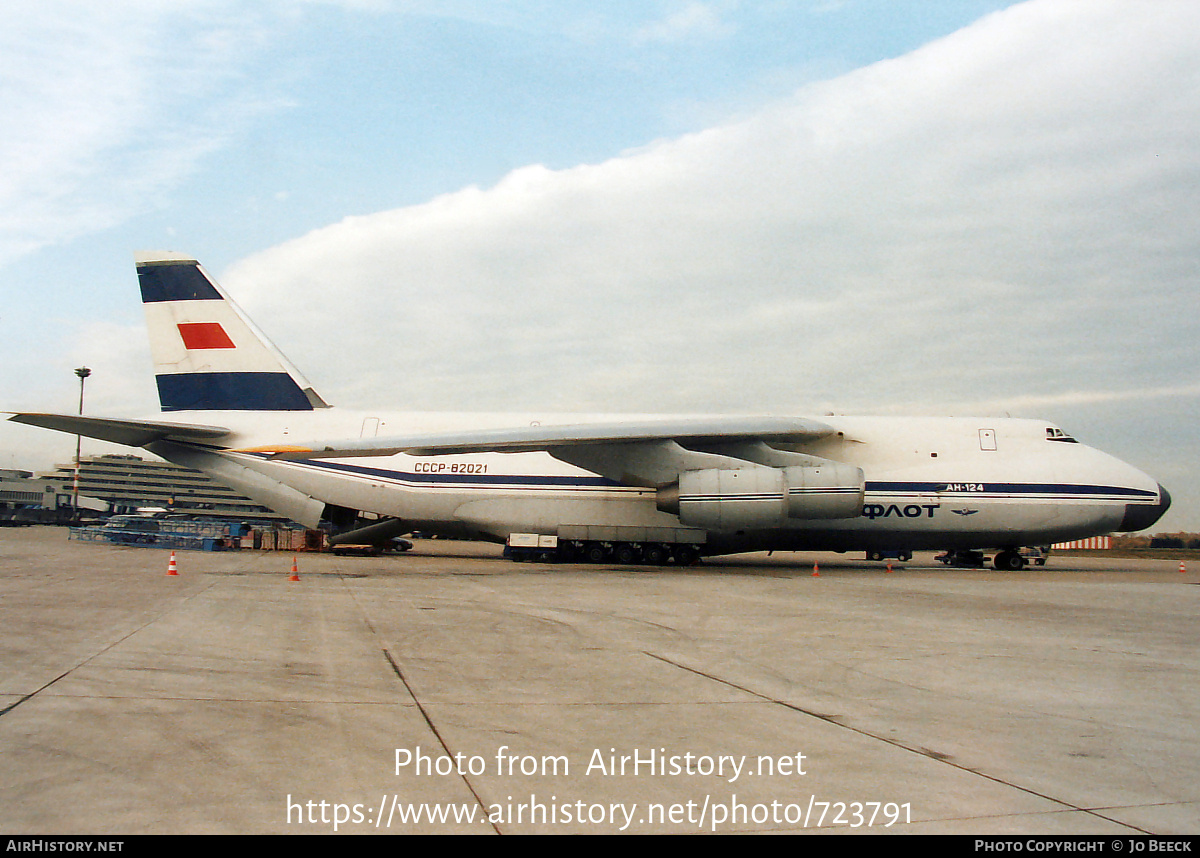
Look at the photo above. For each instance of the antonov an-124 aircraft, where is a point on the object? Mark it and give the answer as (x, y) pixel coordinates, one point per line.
(647, 489)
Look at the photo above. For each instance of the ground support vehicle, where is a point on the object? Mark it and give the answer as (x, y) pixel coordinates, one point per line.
(901, 554)
(966, 559)
(396, 544)
(1035, 555)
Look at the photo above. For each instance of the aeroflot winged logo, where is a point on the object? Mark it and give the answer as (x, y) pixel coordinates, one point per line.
(204, 335)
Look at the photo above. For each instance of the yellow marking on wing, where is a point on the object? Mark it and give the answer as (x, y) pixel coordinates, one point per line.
(273, 448)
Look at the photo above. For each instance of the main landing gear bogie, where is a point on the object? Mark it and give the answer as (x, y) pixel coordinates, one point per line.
(629, 553)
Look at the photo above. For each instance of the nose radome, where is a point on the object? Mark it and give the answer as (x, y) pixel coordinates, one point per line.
(1141, 516)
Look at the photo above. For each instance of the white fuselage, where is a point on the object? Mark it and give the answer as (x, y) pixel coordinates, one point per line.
(929, 482)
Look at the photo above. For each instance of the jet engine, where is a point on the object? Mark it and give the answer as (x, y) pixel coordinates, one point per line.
(758, 497)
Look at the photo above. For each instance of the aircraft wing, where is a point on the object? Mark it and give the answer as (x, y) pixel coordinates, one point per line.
(635, 452)
(702, 431)
(132, 433)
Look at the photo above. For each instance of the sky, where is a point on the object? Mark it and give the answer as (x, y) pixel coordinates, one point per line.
(779, 207)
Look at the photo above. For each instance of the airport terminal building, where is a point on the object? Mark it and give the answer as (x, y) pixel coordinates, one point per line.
(20, 493)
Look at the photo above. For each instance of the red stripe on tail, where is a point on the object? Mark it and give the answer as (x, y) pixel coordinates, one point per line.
(204, 335)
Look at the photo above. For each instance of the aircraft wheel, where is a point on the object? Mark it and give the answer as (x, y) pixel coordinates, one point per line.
(655, 555)
(904, 556)
(1009, 561)
(596, 553)
(626, 553)
(685, 555)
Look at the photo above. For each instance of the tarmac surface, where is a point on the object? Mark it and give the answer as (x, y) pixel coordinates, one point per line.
(743, 694)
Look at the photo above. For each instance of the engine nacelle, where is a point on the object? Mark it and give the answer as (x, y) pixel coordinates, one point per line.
(758, 497)
(831, 490)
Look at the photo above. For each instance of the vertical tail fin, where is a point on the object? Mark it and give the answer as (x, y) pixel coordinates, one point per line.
(208, 356)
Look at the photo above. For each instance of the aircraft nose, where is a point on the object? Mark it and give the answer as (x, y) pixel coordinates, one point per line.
(1141, 516)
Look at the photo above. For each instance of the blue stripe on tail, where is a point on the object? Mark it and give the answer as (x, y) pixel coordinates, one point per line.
(175, 281)
(231, 391)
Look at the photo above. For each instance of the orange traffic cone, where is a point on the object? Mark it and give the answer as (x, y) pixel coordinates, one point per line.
(889, 566)
(816, 571)
(295, 570)
(1182, 568)
(171, 569)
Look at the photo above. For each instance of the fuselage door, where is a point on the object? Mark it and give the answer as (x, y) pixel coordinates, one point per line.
(987, 439)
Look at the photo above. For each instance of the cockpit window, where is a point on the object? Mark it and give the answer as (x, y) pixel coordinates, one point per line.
(1055, 434)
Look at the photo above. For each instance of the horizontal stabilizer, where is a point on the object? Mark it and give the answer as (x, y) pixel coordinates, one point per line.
(132, 433)
(522, 439)
(259, 487)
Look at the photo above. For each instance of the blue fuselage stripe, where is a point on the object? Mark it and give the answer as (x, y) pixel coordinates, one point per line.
(1083, 491)
(992, 491)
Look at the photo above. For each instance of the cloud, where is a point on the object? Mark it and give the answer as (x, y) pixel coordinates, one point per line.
(120, 384)
(1003, 220)
(1138, 397)
(690, 22)
(105, 106)
(1003, 212)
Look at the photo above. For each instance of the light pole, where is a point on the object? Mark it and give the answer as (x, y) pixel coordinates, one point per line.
(83, 372)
